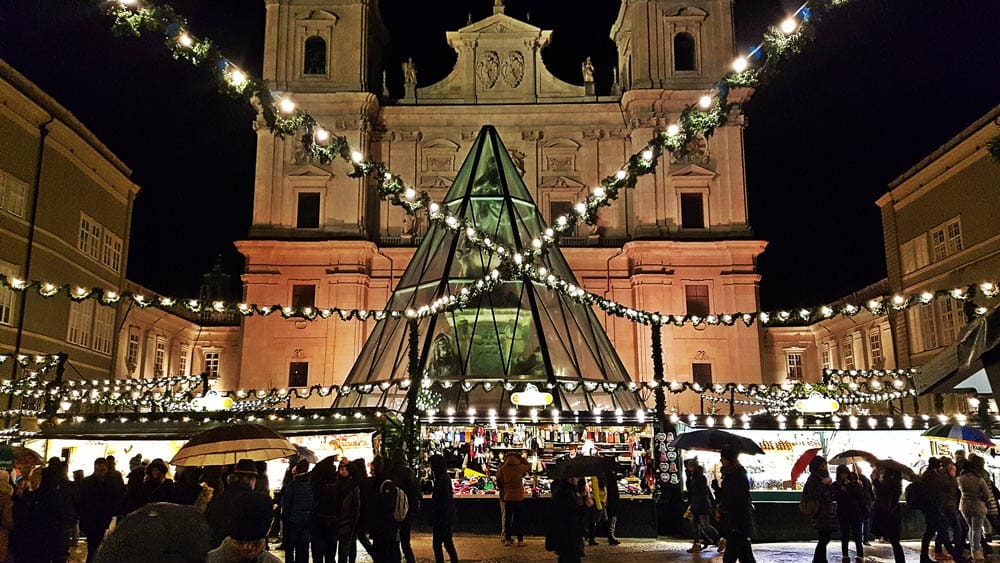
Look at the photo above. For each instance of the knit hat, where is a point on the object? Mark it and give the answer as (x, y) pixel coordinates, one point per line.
(253, 517)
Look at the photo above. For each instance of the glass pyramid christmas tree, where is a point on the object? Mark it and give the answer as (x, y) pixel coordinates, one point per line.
(520, 333)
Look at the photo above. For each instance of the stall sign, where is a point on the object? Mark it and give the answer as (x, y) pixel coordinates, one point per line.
(666, 461)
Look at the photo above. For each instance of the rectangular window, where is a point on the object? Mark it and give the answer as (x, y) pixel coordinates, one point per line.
(132, 352)
(12, 194)
(948, 320)
(692, 211)
(913, 254)
(303, 296)
(827, 360)
(112, 251)
(558, 209)
(7, 295)
(928, 326)
(702, 374)
(104, 322)
(212, 364)
(159, 356)
(308, 211)
(794, 364)
(696, 297)
(848, 355)
(81, 320)
(91, 237)
(875, 344)
(298, 374)
(182, 360)
(946, 240)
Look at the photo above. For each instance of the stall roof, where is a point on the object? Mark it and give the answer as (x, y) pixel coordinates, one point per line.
(975, 350)
(182, 425)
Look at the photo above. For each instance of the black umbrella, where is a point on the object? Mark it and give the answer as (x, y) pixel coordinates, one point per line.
(227, 444)
(302, 452)
(582, 466)
(713, 440)
(904, 471)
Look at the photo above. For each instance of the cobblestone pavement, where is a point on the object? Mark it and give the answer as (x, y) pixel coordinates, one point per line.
(490, 550)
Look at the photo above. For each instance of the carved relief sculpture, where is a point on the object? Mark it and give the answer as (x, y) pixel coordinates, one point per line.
(488, 69)
(512, 70)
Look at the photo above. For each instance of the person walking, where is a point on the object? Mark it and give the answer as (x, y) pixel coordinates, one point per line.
(975, 503)
(296, 514)
(599, 495)
(369, 500)
(954, 526)
(223, 510)
(735, 510)
(100, 497)
(851, 510)
(326, 511)
(869, 496)
(613, 502)
(565, 530)
(886, 521)
(406, 480)
(444, 515)
(156, 487)
(510, 478)
(702, 505)
(817, 504)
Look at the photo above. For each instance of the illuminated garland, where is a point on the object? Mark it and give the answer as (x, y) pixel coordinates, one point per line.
(804, 316)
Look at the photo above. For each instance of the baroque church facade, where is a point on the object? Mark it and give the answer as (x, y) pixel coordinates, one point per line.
(679, 242)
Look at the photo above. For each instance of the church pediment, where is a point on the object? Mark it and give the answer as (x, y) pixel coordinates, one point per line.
(560, 182)
(499, 23)
(321, 15)
(309, 170)
(693, 170)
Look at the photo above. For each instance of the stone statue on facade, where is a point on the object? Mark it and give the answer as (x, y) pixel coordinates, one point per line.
(409, 72)
(588, 71)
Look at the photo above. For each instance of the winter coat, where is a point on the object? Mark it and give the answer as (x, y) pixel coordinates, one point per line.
(885, 512)
(133, 490)
(157, 533)
(368, 501)
(227, 552)
(444, 500)
(407, 481)
(510, 478)
(223, 510)
(614, 496)
(565, 521)
(40, 532)
(6, 517)
(699, 495)
(948, 487)
(599, 493)
(734, 502)
(976, 494)
(100, 498)
(825, 518)
(297, 501)
(153, 491)
(349, 506)
(850, 497)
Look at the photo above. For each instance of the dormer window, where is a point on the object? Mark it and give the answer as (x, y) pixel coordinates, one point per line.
(684, 52)
(314, 56)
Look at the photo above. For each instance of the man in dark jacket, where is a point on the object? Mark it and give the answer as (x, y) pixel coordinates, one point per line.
(100, 497)
(444, 514)
(405, 479)
(736, 518)
(296, 514)
(223, 510)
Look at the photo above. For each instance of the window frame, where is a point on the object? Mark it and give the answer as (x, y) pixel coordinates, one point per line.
(103, 333)
(876, 352)
(847, 353)
(688, 299)
(697, 373)
(794, 369)
(8, 297)
(305, 56)
(693, 53)
(293, 299)
(80, 327)
(213, 364)
(298, 208)
(291, 366)
(702, 199)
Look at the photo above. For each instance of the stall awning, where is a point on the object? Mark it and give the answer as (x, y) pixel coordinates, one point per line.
(960, 364)
(182, 425)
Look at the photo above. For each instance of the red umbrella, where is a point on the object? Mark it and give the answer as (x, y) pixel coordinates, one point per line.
(804, 460)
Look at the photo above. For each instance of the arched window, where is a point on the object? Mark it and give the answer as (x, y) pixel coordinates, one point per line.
(684, 51)
(314, 58)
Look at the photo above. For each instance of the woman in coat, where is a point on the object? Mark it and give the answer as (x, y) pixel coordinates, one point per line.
(566, 520)
(818, 494)
(852, 509)
(443, 518)
(348, 494)
(702, 505)
(885, 514)
(976, 501)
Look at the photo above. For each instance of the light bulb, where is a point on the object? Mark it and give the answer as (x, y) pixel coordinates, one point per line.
(647, 154)
(237, 77)
(286, 105)
(705, 101)
(357, 157)
(185, 40)
(789, 26)
(673, 129)
(740, 64)
(322, 135)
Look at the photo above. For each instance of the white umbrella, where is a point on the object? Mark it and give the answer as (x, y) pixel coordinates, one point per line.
(226, 445)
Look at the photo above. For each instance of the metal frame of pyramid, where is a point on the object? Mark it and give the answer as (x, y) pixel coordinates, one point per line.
(519, 333)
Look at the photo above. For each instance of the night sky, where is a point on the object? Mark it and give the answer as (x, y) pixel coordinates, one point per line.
(884, 84)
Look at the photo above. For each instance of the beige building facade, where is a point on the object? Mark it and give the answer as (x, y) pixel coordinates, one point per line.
(679, 242)
(65, 215)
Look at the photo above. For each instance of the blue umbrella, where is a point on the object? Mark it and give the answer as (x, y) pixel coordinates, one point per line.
(959, 433)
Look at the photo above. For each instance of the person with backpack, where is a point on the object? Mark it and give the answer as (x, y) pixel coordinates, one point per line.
(389, 512)
(886, 521)
(851, 511)
(443, 518)
(817, 504)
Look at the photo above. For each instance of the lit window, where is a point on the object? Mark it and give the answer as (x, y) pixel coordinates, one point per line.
(104, 322)
(159, 356)
(81, 320)
(132, 352)
(684, 52)
(298, 374)
(182, 360)
(827, 360)
(794, 362)
(7, 295)
(875, 344)
(314, 56)
(848, 355)
(212, 364)
(696, 297)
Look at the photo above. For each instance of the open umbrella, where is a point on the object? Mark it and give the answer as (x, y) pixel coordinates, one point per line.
(302, 452)
(894, 465)
(581, 466)
(959, 433)
(804, 460)
(848, 457)
(714, 440)
(225, 445)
